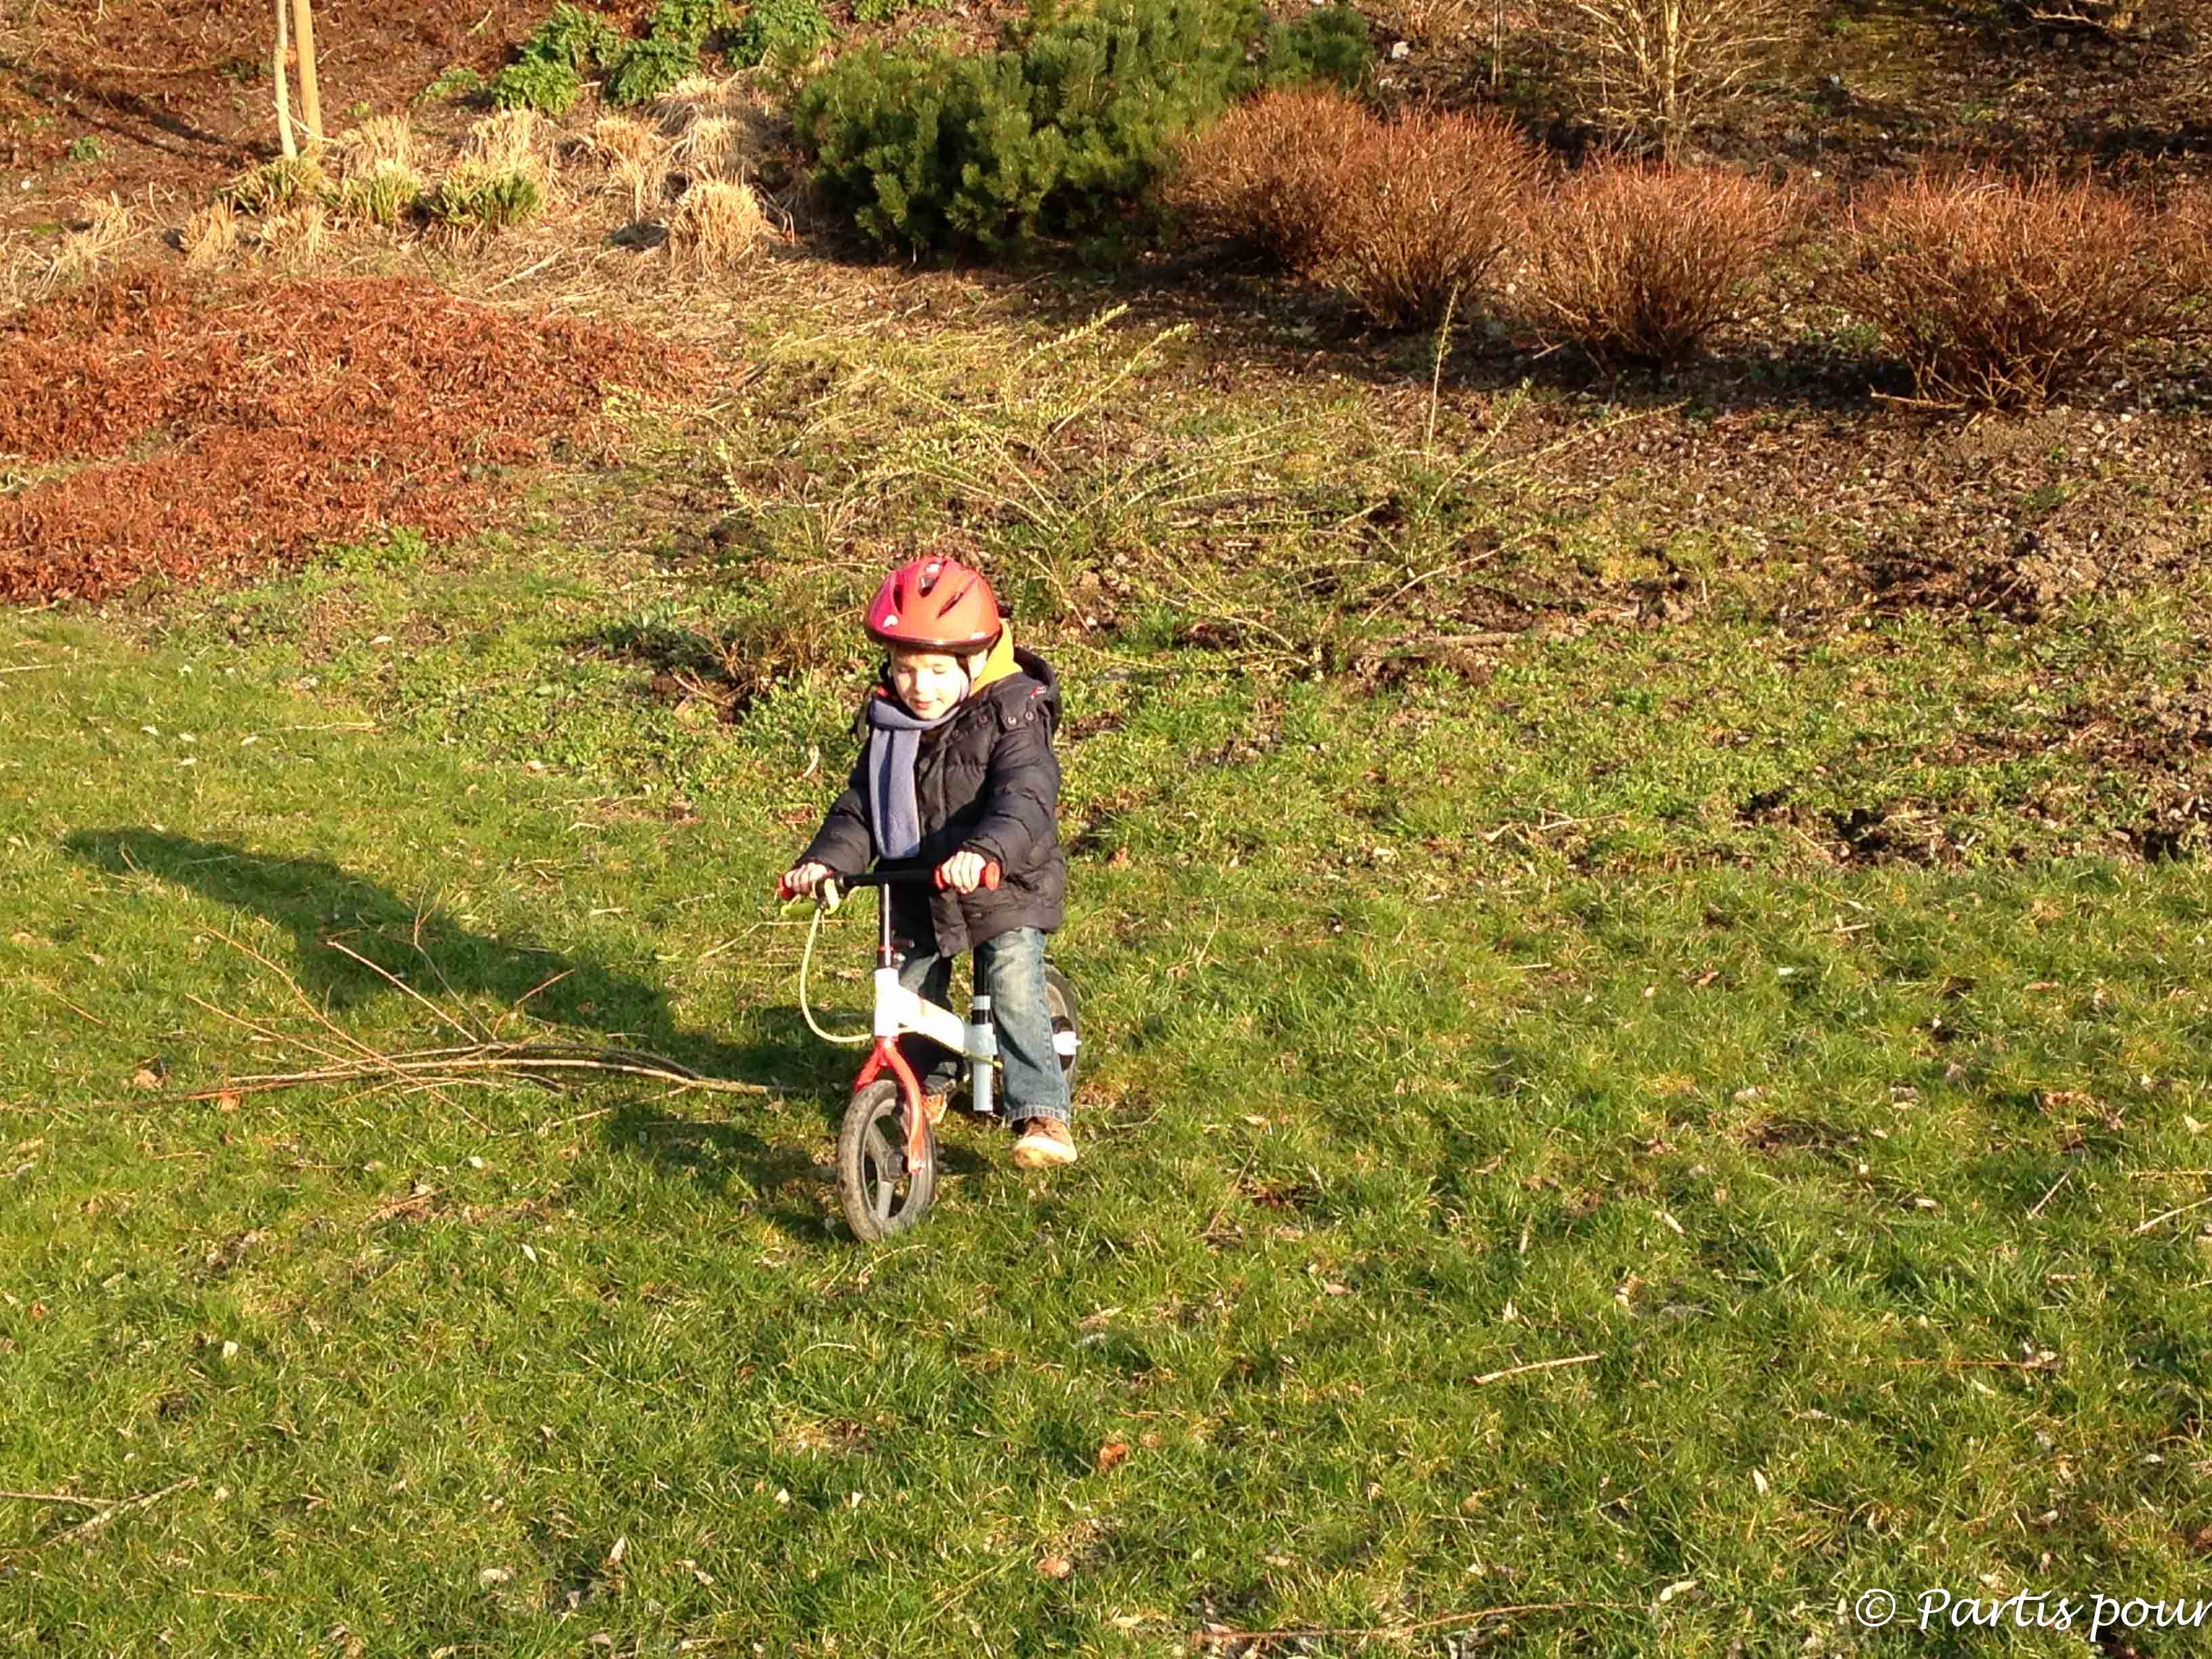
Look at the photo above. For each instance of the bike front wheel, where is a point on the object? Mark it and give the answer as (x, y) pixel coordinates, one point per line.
(882, 1191)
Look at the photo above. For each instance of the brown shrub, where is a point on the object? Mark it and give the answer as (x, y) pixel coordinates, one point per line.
(1427, 204)
(1640, 264)
(1271, 173)
(2186, 236)
(2000, 294)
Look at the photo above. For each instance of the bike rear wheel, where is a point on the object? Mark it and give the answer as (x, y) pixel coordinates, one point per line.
(1067, 1024)
(882, 1191)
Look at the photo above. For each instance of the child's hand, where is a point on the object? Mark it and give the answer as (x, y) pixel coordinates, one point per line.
(963, 872)
(806, 877)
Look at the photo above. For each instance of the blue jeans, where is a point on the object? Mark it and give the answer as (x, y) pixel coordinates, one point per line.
(1010, 970)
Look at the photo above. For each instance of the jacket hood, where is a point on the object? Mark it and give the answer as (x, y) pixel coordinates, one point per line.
(1034, 681)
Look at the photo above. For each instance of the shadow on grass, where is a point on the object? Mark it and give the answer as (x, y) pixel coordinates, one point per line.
(783, 1184)
(323, 905)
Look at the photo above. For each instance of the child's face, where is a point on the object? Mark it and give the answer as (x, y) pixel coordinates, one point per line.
(928, 682)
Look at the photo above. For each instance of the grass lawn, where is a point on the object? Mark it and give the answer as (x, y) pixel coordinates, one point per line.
(1770, 1025)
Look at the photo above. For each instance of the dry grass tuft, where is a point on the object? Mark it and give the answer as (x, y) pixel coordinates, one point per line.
(211, 236)
(644, 182)
(311, 238)
(1641, 264)
(516, 143)
(696, 98)
(615, 138)
(384, 144)
(384, 197)
(635, 155)
(377, 178)
(717, 225)
(713, 146)
(107, 225)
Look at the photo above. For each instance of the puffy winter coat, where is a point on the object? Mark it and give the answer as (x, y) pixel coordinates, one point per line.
(986, 781)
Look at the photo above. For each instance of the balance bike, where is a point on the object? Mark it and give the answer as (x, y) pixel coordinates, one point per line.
(887, 1146)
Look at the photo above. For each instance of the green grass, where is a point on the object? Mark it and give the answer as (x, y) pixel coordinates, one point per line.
(1441, 1023)
(476, 195)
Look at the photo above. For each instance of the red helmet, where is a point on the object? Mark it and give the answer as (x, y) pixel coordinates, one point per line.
(935, 604)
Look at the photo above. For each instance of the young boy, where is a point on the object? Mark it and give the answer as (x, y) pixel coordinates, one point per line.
(956, 769)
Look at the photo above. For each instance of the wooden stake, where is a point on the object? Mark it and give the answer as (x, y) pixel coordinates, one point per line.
(311, 100)
(283, 85)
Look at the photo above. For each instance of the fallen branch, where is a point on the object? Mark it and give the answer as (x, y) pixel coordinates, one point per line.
(521, 1062)
(436, 1013)
(482, 1060)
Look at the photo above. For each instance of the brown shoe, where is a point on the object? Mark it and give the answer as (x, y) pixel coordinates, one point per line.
(1045, 1143)
(933, 1107)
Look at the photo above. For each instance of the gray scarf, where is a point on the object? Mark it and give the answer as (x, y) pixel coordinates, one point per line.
(894, 739)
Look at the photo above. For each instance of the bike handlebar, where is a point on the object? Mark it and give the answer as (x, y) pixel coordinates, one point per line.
(993, 873)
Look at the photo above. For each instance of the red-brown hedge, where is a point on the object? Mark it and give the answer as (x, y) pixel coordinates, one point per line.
(1637, 263)
(1398, 214)
(2000, 294)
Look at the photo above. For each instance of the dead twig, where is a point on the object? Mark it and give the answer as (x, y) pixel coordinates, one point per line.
(2181, 1209)
(436, 1013)
(67, 1004)
(303, 999)
(1538, 1365)
(126, 1506)
(2047, 1197)
(264, 1032)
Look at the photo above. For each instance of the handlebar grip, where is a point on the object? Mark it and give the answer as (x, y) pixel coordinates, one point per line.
(785, 892)
(993, 873)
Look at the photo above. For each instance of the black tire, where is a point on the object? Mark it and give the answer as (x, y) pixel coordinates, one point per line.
(1067, 1024)
(881, 1196)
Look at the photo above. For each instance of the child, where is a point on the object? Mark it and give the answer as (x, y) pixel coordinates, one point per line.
(956, 768)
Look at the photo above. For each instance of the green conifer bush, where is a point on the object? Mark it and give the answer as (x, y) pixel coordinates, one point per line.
(1062, 132)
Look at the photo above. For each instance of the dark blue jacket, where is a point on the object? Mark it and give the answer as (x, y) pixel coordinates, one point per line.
(987, 781)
